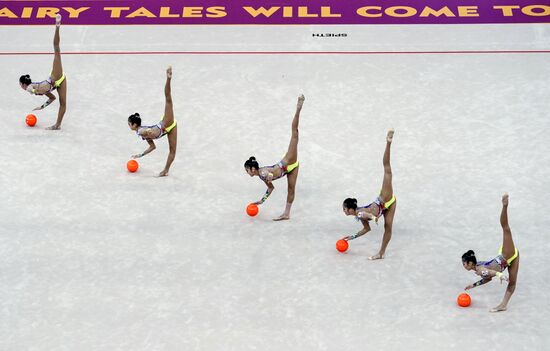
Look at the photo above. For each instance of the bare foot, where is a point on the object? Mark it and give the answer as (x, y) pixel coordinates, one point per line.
(378, 256)
(58, 20)
(169, 72)
(499, 308)
(54, 127)
(163, 173)
(282, 217)
(301, 99)
(389, 137)
(505, 199)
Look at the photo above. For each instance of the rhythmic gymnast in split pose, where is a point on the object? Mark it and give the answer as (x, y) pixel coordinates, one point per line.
(56, 81)
(168, 126)
(508, 257)
(288, 166)
(384, 204)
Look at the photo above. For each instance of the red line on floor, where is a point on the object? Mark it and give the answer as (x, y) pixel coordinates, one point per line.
(283, 52)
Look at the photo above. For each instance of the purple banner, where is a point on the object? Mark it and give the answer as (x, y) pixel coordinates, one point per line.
(113, 12)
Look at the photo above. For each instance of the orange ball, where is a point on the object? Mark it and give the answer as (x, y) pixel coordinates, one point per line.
(132, 166)
(252, 210)
(463, 300)
(342, 245)
(31, 120)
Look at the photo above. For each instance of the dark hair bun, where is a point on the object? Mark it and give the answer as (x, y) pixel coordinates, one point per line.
(469, 256)
(251, 163)
(25, 79)
(135, 119)
(350, 203)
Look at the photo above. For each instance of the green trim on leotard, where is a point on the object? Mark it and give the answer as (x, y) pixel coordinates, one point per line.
(511, 259)
(172, 126)
(389, 203)
(58, 82)
(292, 167)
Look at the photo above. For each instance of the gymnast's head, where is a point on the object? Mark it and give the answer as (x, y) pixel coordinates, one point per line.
(350, 207)
(25, 81)
(251, 166)
(134, 121)
(469, 260)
